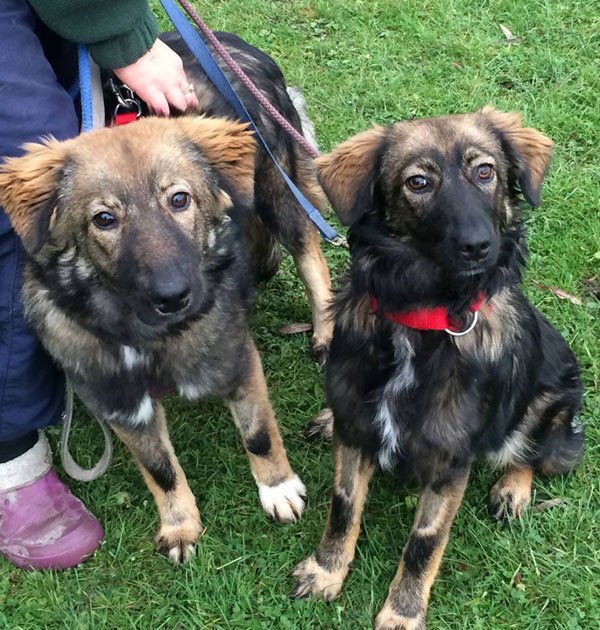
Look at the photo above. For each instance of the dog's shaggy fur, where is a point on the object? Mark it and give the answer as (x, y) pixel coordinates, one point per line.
(144, 243)
(435, 220)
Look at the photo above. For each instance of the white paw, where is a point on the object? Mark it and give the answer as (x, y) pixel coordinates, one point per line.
(182, 554)
(285, 501)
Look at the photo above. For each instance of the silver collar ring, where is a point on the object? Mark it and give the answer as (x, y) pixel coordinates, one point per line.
(460, 333)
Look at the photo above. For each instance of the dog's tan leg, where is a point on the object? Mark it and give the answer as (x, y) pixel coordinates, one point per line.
(511, 494)
(323, 573)
(406, 605)
(314, 273)
(179, 517)
(281, 492)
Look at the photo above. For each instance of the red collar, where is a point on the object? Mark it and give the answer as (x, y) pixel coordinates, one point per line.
(125, 118)
(427, 318)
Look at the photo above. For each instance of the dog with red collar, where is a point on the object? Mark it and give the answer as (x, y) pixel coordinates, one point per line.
(437, 357)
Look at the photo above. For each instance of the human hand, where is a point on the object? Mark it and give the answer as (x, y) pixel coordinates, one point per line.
(158, 79)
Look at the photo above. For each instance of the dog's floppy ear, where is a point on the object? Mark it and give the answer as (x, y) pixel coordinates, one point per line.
(229, 147)
(532, 150)
(348, 176)
(29, 189)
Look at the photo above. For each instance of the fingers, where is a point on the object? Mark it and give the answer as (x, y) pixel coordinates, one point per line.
(157, 103)
(187, 89)
(191, 98)
(177, 98)
(159, 79)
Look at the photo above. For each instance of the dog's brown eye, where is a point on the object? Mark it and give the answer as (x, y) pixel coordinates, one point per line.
(485, 172)
(179, 201)
(417, 183)
(105, 220)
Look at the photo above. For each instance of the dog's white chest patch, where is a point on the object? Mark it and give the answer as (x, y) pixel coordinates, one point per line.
(141, 415)
(200, 388)
(131, 357)
(401, 382)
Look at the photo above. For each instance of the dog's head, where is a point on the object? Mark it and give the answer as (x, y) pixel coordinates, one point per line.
(135, 211)
(450, 184)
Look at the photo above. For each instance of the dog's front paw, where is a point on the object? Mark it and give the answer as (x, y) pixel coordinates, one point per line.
(321, 426)
(387, 619)
(285, 501)
(508, 500)
(313, 579)
(178, 544)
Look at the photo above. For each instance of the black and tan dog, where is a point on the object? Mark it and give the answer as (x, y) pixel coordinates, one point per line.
(437, 236)
(277, 217)
(138, 281)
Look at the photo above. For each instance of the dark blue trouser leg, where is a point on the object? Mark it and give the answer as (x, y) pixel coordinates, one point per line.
(32, 104)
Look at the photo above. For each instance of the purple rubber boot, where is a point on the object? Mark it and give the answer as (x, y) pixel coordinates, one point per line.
(42, 525)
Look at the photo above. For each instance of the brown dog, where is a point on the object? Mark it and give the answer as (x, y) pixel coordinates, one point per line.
(137, 282)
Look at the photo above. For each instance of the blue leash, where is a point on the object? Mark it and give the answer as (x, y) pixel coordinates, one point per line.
(85, 88)
(213, 71)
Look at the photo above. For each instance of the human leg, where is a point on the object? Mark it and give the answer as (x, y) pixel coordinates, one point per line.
(42, 524)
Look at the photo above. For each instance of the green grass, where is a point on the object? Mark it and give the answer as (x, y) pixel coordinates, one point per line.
(363, 62)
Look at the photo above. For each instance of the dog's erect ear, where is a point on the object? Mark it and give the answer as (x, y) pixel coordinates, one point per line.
(532, 150)
(229, 147)
(348, 176)
(29, 189)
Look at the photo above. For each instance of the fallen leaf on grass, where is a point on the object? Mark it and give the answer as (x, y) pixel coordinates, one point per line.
(462, 567)
(563, 295)
(547, 505)
(509, 36)
(294, 329)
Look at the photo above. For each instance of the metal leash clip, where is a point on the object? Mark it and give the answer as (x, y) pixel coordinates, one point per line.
(340, 241)
(126, 99)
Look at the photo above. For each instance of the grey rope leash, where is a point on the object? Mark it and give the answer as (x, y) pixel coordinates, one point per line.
(72, 468)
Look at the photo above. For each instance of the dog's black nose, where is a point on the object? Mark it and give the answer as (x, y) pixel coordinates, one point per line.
(170, 296)
(474, 249)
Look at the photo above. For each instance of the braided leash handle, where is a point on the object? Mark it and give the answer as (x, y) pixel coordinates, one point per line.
(243, 77)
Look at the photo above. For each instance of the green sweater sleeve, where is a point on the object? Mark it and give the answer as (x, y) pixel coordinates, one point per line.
(117, 32)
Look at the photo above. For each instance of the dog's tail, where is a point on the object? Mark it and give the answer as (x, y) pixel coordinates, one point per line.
(299, 103)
